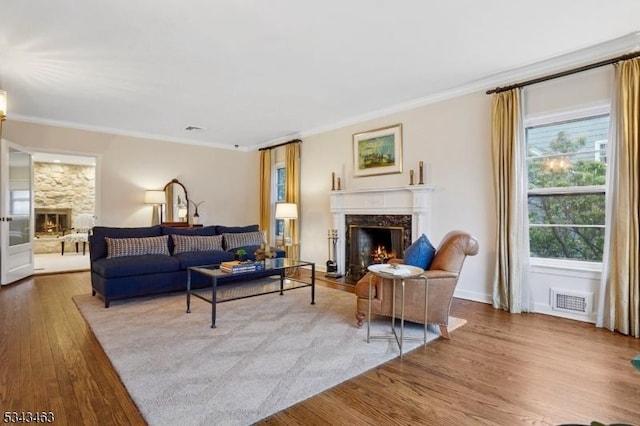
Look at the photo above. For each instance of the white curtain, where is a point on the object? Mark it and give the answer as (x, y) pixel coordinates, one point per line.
(612, 155)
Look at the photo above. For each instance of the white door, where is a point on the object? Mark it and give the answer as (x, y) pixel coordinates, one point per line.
(16, 211)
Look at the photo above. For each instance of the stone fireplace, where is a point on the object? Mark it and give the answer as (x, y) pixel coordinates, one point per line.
(370, 218)
(51, 222)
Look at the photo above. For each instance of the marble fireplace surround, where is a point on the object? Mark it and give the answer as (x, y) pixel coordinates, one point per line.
(414, 200)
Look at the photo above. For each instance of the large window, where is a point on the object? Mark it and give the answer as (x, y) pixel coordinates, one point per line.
(281, 183)
(567, 166)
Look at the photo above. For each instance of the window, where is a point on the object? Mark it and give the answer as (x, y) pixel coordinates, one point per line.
(567, 166)
(281, 182)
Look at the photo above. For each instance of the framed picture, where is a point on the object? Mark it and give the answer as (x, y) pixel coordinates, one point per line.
(378, 152)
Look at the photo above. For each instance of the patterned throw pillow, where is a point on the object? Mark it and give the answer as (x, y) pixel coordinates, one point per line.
(184, 243)
(243, 239)
(119, 247)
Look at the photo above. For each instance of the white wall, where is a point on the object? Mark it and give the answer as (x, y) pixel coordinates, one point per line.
(226, 180)
(453, 139)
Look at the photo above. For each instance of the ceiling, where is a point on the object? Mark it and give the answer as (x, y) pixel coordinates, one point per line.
(254, 72)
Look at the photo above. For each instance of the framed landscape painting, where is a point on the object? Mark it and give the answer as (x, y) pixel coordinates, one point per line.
(378, 152)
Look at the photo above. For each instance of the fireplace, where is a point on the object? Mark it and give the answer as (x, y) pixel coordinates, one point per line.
(52, 222)
(374, 239)
(408, 207)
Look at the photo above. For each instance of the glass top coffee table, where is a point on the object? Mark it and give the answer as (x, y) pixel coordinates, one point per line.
(270, 267)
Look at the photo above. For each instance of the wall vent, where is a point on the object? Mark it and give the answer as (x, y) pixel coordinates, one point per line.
(575, 302)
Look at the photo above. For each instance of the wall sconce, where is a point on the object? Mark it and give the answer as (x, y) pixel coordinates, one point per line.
(3, 104)
(287, 211)
(157, 198)
(3, 109)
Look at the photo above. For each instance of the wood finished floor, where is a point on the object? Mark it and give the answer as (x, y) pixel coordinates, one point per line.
(499, 369)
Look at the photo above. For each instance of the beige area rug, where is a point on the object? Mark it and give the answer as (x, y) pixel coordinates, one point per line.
(266, 354)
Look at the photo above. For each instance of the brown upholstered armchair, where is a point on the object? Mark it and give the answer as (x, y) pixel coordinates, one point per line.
(442, 278)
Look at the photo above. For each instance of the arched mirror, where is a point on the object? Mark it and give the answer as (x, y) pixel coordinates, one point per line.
(177, 204)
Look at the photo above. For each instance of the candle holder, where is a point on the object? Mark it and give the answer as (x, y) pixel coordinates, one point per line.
(333, 181)
(421, 173)
(410, 177)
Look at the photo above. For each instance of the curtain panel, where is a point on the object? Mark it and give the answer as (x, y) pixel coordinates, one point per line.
(292, 163)
(619, 307)
(510, 286)
(265, 194)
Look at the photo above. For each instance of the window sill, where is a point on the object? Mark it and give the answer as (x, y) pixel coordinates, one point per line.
(571, 268)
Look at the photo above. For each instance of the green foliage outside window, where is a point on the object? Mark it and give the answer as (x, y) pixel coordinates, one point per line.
(566, 201)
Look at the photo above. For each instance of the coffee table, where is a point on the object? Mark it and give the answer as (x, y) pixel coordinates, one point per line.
(278, 266)
(398, 273)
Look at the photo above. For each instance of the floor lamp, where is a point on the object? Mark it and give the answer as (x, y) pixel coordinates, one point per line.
(287, 211)
(157, 198)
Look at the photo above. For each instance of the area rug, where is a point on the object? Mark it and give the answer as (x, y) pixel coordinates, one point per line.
(266, 354)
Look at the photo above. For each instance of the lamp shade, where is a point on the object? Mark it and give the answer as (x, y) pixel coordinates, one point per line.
(286, 211)
(154, 197)
(3, 103)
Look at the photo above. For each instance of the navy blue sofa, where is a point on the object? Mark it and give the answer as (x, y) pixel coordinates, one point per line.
(131, 276)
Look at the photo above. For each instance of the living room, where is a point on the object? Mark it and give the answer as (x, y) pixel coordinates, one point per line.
(448, 130)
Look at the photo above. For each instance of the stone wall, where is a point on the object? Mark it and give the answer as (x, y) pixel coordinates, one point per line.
(66, 186)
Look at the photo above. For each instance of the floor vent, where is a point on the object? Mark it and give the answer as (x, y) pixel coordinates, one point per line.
(571, 301)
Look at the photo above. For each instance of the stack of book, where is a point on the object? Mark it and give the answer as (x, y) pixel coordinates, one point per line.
(236, 266)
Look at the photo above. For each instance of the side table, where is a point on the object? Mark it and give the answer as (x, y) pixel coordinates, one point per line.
(398, 273)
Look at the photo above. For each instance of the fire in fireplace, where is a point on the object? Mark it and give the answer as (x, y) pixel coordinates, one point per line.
(374, 239)
(52, 222)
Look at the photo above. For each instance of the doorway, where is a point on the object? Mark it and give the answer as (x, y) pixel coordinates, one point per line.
(64, 199)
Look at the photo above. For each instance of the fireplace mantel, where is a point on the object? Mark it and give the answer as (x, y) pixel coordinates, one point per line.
(414, 200)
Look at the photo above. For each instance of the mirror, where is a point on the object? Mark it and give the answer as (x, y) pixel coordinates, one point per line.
(177, 206)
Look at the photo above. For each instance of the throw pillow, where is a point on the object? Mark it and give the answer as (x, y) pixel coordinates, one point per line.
(420, 253)
(185, 243)
(119, 247)
(243, 239)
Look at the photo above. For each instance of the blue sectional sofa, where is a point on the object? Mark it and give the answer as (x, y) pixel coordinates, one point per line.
(131, 262)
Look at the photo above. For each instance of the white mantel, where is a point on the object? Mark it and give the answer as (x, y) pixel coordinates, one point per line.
(414, 200)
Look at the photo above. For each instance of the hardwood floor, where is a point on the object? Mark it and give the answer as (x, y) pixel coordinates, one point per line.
(498, 369)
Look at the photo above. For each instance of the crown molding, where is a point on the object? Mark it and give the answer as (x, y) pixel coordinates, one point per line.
(618, 46)
(127, 133)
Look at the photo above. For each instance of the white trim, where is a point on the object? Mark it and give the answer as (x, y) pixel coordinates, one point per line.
(473, 295)
(412, 200)
(128, 133)
(609, 49)
(545, 309)
(566, 267)
(567, 115)
(591, 189)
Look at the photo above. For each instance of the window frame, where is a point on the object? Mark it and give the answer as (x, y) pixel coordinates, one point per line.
(549, 119)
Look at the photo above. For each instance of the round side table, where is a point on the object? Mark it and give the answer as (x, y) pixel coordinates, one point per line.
(398, 273)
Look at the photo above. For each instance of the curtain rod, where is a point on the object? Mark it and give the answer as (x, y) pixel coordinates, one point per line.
(280, 144)
(565, 73)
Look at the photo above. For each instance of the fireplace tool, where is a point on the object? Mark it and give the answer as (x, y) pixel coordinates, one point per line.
(332, 264)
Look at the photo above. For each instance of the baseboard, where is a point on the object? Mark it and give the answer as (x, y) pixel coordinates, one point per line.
(474, 296)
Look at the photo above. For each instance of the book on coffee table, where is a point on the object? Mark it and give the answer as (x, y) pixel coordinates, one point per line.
(236, 266)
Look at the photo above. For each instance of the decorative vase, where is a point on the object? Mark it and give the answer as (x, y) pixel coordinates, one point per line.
(196, 218)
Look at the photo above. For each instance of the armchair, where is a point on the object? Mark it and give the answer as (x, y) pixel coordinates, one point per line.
(442, 278)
